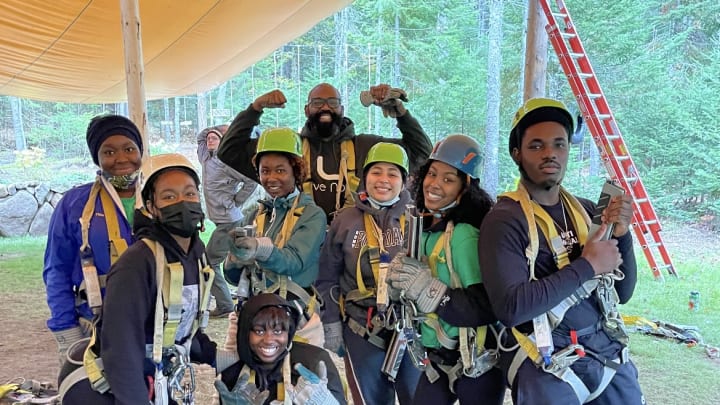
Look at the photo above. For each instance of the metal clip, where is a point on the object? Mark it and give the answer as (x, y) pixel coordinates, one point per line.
(563, 359)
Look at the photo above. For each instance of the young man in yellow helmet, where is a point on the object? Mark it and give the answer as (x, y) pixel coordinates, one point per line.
(331, 148)
(551, 282)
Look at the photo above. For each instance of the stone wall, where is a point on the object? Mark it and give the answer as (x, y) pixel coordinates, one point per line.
(25, 208)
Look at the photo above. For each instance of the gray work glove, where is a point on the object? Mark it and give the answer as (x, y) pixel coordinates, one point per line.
(334, 338)
(414, 278)
(244, 392)
(389, 99)
(247, 249)
(311, 388)
(65, 339)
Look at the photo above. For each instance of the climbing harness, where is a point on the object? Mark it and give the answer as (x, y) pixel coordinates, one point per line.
(171, 360)
(92, 284)
(538, 346)
(348, 181)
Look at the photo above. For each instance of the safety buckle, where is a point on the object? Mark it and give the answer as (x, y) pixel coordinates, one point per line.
(624, 355)
(100, 385)
(178, 362)
(481, 363)
(563, 359)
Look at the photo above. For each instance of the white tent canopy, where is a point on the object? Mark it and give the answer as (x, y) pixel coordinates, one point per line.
(72, 50)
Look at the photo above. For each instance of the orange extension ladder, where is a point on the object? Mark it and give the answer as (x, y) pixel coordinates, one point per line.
(605, 132)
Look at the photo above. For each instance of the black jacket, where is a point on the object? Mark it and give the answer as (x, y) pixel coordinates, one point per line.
(237, 149)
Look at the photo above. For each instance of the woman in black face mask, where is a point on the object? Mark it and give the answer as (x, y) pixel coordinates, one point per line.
(156, 298)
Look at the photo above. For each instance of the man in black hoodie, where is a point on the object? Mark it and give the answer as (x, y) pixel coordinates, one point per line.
(269, 358)
(325, 130)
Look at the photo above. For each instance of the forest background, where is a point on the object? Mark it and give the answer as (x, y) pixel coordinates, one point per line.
(461, 63)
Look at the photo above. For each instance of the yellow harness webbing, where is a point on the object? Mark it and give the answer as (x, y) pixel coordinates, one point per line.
(347, 175)
(536, 216)
(280, 388)
(92, 282)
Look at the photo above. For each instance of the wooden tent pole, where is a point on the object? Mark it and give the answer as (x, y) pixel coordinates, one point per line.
(134, 68)
(535, 52)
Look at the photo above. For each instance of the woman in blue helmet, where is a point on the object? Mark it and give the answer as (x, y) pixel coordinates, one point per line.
(444, 288)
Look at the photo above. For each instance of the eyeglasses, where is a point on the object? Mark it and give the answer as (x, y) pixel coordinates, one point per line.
(332, 102)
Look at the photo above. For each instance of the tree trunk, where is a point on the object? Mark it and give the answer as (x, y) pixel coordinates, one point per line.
(536, 47)
(176, 117)
(16, 106)
(490, 163)
(201, 111)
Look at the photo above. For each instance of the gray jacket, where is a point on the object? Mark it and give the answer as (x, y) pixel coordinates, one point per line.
(224, 189)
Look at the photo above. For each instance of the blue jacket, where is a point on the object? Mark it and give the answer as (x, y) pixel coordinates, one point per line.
(62, 272)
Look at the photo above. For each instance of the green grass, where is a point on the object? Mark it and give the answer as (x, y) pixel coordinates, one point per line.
(670, 373)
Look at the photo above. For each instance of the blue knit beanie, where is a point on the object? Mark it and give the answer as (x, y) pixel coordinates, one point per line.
(104, 126)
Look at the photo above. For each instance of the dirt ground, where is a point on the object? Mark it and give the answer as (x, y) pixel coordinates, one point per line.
(29, 350)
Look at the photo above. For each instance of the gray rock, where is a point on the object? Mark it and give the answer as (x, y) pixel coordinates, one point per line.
(4, 191)
(41, 193)
(41, 222)
(55, 198)
(16, 213)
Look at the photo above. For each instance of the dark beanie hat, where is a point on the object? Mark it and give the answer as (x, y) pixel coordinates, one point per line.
(104, 126)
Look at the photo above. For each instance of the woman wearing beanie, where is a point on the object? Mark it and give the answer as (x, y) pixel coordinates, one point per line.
(90, 228)
(355, 320)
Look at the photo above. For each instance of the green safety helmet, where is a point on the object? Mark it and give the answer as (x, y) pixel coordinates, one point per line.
(278, 140)
(389, 153)
(156, 164)
(536, 110)
(459, 151)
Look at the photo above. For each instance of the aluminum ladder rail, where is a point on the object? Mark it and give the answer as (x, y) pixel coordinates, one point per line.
(606, 134)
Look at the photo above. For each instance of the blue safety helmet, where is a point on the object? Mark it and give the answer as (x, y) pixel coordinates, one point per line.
(459, 151)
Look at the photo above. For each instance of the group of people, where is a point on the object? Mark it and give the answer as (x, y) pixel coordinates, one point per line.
(384, 251)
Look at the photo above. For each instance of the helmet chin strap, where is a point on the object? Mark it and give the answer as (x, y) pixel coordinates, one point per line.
(377, 204)
(439, 213)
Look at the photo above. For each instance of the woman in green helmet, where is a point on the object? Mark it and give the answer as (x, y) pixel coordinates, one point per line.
(361, 240)
(282, 256)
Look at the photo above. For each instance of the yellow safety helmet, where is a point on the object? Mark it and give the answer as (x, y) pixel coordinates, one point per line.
(389, 153)
(159, 163)
(537, 110)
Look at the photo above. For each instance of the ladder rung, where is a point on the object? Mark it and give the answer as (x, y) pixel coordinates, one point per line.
(560, 15)
(622, 158)
(576, 55)
(630, 180)
(568, 35)
(611, 137)
(651, 245)
(594, 95)
(603, 116)
(585, 75)
(641, 200)
(650, 222)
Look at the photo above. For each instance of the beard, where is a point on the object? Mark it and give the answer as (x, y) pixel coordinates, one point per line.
(325, 129)
(545, 185)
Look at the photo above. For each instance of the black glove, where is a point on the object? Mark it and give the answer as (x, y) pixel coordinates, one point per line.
(203, 350)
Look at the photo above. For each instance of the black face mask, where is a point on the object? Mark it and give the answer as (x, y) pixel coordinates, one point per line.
(182, 219)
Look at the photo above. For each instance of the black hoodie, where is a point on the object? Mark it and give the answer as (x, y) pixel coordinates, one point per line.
(237, 149)
(129, 308)
(268, 378)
